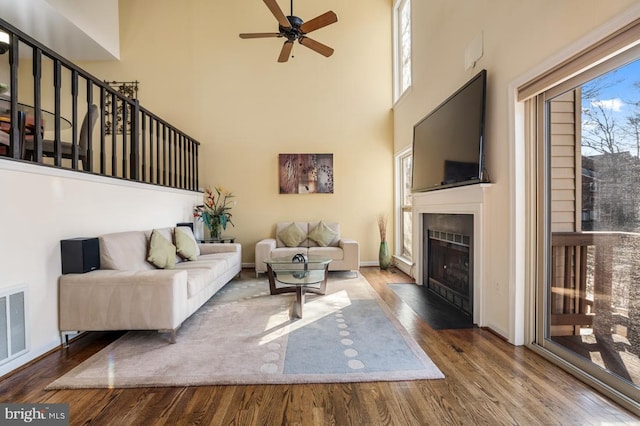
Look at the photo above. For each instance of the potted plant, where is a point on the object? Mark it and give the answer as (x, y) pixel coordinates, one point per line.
(215, 210)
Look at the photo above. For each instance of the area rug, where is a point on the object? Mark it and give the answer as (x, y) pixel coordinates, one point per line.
(244, 335)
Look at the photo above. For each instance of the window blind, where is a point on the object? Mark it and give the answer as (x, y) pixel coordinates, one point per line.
(616, 43)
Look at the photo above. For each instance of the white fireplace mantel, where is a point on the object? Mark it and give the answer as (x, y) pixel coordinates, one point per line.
(470, 199)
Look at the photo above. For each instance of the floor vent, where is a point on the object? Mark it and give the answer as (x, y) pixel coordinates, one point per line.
(13, 330)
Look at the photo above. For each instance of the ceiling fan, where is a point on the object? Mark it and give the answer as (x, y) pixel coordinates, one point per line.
(293, 28)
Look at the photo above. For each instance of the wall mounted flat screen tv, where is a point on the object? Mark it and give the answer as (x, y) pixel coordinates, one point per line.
(448, 142)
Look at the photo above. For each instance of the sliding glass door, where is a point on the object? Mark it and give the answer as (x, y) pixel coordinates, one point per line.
(589, 291)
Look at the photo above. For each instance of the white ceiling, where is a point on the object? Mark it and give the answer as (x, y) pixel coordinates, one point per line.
(48, 25)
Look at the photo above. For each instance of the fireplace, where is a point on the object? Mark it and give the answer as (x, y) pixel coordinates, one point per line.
(448, 258)
(449, 271)
(460, 212)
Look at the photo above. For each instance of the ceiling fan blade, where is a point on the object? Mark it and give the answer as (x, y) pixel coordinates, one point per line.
(286, 51)
(322, 49)
(277, 12)
(318, 22)
(259, 35)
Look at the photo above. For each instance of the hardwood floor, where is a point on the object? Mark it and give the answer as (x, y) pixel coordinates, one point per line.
(488, 381)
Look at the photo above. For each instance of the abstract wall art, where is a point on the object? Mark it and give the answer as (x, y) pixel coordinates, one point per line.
(306, 173)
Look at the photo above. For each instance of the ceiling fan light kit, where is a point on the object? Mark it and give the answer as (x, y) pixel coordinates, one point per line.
(293, 28)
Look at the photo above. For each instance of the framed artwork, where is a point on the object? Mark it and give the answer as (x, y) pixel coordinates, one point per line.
(130, 90)
(306, 173)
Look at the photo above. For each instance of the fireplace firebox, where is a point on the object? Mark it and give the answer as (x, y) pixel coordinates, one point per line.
(449, 269)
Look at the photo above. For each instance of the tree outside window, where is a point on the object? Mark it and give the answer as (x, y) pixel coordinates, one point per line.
(402, 13)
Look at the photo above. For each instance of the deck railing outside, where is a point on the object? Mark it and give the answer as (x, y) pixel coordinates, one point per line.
(596, 285)
(48, 101)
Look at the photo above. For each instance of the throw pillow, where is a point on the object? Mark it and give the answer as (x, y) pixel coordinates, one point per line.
(162, 254)
(322, 234)
(292, 235)
(186, 246)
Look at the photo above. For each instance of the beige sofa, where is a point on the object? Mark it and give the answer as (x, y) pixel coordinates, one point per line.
(345, 253)
(129, 293)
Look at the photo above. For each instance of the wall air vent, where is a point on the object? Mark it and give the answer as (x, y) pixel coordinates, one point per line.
(13, 330)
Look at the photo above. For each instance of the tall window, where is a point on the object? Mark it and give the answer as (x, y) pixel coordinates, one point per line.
(404, 223)
(588, 166)
(402, 51)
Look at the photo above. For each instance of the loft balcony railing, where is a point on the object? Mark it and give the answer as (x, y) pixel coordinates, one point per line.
(58, 115)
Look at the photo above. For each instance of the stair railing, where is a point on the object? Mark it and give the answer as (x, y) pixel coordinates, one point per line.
(55, 95)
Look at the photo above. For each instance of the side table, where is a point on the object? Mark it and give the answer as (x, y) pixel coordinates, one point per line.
(218, 240)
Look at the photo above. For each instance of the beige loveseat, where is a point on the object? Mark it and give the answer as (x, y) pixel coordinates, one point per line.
(130, 293)
(311, 238)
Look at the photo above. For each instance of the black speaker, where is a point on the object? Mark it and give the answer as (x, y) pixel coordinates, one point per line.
(80, 255)
(189, 224)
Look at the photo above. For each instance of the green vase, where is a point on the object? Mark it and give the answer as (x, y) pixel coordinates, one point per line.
(384, 259)
(215, 231)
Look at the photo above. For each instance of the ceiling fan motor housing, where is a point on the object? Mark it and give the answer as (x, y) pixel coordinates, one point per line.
(293, 32)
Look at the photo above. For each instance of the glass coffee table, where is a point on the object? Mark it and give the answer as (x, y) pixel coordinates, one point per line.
(298, 277)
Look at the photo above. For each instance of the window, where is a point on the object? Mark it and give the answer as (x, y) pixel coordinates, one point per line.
(583, 118)
(404, 222)
(402, 51)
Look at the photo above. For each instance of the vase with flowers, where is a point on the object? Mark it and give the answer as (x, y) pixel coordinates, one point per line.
(384, 258)
(215, 210)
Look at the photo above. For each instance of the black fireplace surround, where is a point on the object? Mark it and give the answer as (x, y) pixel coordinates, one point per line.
(448, 258)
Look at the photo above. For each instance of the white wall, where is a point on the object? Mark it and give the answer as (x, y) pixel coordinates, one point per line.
(97, 18)
(41, 205)
(75, 29)
(518, 36)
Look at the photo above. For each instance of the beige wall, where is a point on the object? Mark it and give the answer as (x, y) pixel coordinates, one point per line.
(245, 108)
(518, 36)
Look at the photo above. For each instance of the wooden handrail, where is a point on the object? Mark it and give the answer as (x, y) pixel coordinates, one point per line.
(586, 238)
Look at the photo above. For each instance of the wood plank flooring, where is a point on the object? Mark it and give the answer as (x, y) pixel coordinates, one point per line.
(488, 381)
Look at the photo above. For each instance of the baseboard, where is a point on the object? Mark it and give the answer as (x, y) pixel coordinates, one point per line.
(28, 358)
(495, 333)
(36, 356)
(404, 265)
(498, 331)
